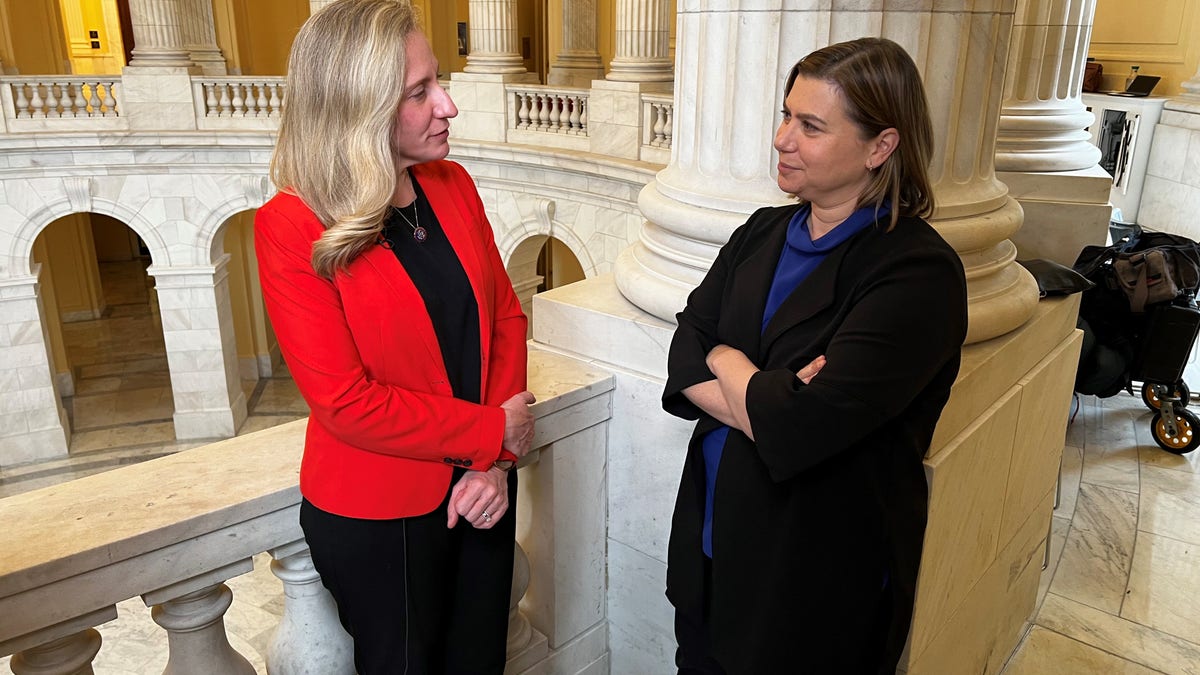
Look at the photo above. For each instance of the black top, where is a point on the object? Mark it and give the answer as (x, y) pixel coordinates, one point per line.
(439, 277)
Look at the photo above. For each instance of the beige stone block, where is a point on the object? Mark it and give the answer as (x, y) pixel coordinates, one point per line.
(992, 367)
(1058, 231)
(966, 501)
(987, 626)
(1041, 431)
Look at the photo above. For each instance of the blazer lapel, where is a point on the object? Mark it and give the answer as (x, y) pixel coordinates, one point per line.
(750, 285)
(813, 295)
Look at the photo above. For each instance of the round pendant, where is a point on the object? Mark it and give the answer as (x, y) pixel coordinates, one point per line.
(420, 234)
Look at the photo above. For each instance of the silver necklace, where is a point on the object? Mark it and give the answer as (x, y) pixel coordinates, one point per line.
(419, 234)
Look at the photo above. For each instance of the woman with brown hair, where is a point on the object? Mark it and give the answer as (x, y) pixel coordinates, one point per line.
(817, 355)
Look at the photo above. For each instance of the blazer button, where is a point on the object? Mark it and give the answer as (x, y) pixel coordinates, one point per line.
(447, 460)
(466, 462)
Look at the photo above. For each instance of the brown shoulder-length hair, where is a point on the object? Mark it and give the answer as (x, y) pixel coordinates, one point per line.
(882, 89)
(344, 84)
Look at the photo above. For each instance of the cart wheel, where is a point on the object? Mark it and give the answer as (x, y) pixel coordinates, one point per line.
(1186, 438)
(1150, 397)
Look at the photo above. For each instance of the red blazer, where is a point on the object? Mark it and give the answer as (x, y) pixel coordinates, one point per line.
(385, 430)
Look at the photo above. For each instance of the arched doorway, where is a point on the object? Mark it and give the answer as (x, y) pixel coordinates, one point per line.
(538, 264)
(105, 332)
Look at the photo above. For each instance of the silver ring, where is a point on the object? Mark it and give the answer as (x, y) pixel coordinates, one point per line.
(487, 516)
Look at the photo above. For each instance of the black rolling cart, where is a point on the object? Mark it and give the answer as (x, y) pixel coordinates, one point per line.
(1140, 323)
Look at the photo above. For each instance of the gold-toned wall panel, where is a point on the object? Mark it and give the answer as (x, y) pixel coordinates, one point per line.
(1163, 41)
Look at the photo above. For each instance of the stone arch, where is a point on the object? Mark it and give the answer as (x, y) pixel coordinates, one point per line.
(542, 223)
(21, 252)
(254, 191)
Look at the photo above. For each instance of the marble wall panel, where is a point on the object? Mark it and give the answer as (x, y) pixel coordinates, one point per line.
(966, 503)
(987, 625)
(1168, 153)
(1041, 430)
(641, 621)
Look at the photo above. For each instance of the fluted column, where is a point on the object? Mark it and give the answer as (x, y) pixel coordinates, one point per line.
(578, 63)
(157, 37)
(1043, 121)
(643, 36)
(200, 37)
(494, 38)
(314, 5)
(722, 163)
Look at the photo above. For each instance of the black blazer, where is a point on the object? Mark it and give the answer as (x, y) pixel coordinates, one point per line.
(829, 503)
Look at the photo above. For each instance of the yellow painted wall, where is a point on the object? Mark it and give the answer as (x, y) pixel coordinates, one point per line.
(71, 257)
(250, 324)
(31, 37)
(1163, 37)
(79, 18)
(50, 310)
(115, 241)
(256, 35)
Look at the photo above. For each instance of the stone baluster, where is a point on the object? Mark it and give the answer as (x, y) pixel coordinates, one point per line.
(200, 37)
(520, 633)
(642, 42)
(68, 655)
(193, 614)
(578, 63)
(494, 38)
(309, 637)
(156, 34)
(1044, 153)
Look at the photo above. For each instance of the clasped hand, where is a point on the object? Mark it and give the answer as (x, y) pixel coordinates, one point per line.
(481, 497)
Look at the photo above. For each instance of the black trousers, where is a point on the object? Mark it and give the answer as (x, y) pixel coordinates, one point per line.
(418, 598)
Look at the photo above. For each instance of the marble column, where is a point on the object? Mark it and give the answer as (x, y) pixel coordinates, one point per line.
(33, 425)
(200, 37)
(578, 63)
(722, 161)
(314, 5)
(1043, 121)
(1044, 152)
(157, 38)
(201, 349)
(493, 37)
(642, 42)
(721, 156)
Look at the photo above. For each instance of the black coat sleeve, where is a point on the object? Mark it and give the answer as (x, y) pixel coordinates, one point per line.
(905, 321)
(696, 334)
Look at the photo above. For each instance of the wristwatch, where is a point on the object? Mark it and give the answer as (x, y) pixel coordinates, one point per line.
(504, 464)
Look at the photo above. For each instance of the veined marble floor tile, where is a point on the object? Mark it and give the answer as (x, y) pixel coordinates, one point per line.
(1170, 504)
(279, 396)
(1135, 642)
(1163, 586)
(1110, 455)
(1095, 562)
(1045, 652)
(112, 367)
(1071, 471)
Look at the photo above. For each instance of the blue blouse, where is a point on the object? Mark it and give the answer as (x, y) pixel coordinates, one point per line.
(800, 256)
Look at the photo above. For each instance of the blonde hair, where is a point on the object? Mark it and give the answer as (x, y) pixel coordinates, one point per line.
(335, 149)
(882, 89)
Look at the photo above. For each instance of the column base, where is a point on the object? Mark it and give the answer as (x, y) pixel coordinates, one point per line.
(219, 423)
(1064, 211)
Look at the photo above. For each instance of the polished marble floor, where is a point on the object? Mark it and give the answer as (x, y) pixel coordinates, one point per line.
(1119, 595)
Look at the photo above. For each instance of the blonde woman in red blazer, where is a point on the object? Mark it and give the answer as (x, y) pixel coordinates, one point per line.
(400, 326)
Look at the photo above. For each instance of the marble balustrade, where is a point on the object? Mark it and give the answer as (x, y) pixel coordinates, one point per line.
(173, 530)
